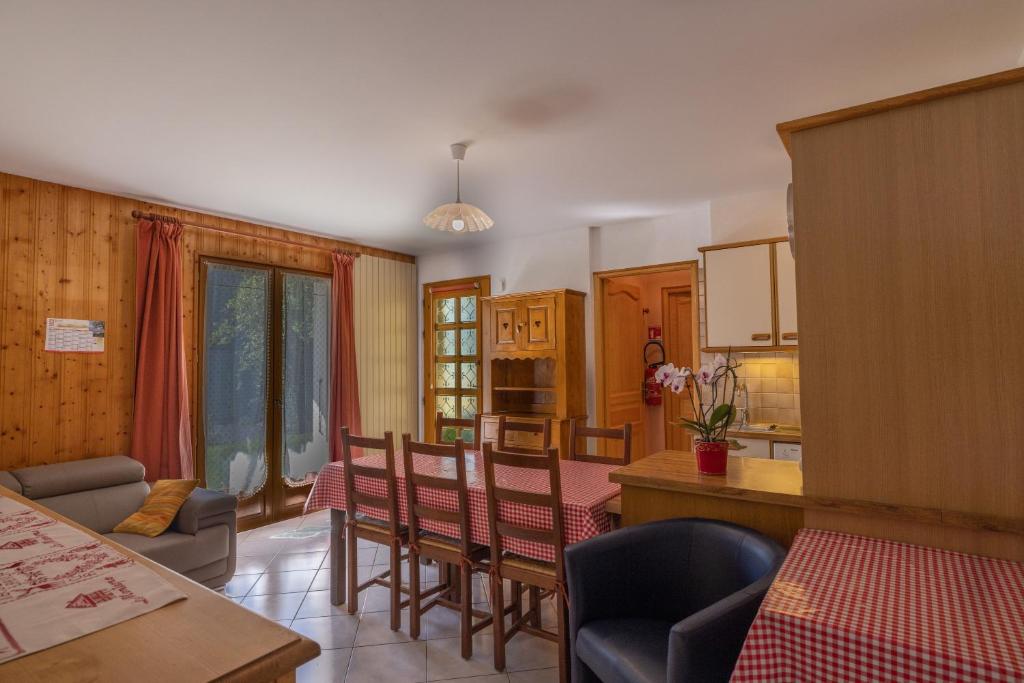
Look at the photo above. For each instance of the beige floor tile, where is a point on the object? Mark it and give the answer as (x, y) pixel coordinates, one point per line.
(282, 606)
(289, 562)
(239, 585)
(253, 564)
(329, 667)
(330, 632)
(375, 599)
(318, 604)
(493, 678)
(249, 548)
(398, 663)
(535, 676)
(526, 652)
(283, 582)
(375, 629)
(445, 662)
(322, 580)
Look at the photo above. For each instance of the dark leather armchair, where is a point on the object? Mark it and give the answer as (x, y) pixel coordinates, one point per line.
(665, 601)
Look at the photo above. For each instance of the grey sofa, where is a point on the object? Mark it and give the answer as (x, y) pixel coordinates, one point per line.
(99, 493)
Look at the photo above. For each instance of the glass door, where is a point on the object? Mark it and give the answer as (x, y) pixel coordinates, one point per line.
(265, 385)
(454, 378)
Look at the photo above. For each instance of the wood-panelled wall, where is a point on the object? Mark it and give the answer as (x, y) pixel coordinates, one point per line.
(70, 253)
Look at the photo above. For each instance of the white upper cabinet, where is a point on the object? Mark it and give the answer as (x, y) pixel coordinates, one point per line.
(785, 278)
(750, 296)
(738, 296)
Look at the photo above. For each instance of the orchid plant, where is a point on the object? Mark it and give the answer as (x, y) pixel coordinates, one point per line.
(714, 382)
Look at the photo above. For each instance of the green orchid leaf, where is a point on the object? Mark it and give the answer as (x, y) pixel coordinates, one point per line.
(720, 413)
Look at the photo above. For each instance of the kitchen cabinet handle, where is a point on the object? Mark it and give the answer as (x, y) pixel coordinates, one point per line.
(789, 336)
(761, 336)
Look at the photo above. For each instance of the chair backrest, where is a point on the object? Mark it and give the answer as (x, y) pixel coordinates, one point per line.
(579, 430)
(460, 424)
(388, 503)
(418, 506)
(543, 428)
(501, 527)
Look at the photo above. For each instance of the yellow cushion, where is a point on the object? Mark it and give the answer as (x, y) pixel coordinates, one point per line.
(158, 510)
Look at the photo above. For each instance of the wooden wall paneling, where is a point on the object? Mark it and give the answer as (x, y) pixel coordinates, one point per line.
(911, 218)
(66, 252)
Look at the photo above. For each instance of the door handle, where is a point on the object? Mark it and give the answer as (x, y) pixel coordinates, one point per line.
(789, 336)
(761, 336)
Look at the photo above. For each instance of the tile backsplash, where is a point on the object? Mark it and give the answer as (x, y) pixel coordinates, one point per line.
(772, 379)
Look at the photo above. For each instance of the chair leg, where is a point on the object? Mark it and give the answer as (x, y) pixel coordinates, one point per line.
(535, 606)
(563, 637)
(466, 609)
(517, 601)
(352, 575)
(498, 610)
(414, 595)
(396, 585)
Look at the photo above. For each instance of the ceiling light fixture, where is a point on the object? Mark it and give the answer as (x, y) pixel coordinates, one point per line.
(458, 217)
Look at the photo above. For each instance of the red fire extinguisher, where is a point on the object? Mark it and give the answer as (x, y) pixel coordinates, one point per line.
(652, 387)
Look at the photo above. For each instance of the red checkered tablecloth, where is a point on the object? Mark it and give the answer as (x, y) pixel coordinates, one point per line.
(585, 490)
(850, 608)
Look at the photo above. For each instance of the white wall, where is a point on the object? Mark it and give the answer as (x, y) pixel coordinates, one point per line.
(751, 216)
(568, 259)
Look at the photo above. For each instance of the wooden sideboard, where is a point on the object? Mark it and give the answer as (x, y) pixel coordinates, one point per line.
(534, 361)
(205, 637)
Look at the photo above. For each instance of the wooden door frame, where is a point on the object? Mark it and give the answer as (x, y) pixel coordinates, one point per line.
(483, 284)
(273, 499)
(600, 278)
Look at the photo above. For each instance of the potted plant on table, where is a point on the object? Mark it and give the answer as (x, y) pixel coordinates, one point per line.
(708, 389)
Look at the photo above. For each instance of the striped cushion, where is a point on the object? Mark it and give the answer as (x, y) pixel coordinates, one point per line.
(159, 508)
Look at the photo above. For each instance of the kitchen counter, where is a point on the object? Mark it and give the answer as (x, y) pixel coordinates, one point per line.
(783, 434)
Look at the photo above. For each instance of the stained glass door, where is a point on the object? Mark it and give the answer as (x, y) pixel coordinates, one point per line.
(453, 353)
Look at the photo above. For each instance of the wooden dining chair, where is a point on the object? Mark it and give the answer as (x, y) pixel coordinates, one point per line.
(460, 423)
(389, 531)
(451, 548)
(535, 575)
(578, 429)
(505, 426)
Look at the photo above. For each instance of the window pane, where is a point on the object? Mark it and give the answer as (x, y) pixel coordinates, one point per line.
(445, 376)
(306, 380)
(468, 304)
(468, 375)
(237, 329)
(446, 406)
(446, 310)
(468, 406)
(445, 343)
(467, 338)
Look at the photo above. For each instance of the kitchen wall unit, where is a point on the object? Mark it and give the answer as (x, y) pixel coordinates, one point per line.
(750, 296)
(908, 223)
(534, 361)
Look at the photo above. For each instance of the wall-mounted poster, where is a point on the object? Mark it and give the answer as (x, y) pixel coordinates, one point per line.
(65, 335)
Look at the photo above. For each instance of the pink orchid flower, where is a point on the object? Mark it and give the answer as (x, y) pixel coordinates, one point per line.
(665, 373)
(704, 375)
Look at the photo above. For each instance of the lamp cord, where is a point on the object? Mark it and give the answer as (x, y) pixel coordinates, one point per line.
(458, 182)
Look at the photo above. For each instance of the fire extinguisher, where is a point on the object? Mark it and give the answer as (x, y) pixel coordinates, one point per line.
(652, 387)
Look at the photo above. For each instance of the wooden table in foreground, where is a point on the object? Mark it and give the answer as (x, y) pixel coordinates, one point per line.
(205, 637)
(766, 495)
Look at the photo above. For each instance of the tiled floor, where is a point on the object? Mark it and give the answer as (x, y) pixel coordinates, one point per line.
(283, 574)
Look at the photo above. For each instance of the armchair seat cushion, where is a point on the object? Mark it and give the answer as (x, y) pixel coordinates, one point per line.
(177, 551)
(625, 650)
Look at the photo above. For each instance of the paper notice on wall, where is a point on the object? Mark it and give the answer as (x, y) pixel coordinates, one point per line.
(65, 335)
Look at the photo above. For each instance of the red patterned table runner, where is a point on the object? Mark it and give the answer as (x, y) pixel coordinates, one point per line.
(58, 583)
(850, 608)
(585, 490)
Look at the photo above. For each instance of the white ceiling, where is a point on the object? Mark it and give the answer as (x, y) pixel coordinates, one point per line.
(336, 117)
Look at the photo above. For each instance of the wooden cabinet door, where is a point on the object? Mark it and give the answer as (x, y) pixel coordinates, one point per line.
(785, 286)
(537, 316)
(504, 323)
(738, 296)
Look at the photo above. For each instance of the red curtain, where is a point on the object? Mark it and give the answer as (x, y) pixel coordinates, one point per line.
(162, 433)
(344, 374)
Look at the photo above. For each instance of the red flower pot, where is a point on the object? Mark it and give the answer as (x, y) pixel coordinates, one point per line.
(712, 456)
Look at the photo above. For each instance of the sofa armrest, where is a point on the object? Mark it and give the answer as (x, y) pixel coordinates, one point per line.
(706, 645)
(202, 509)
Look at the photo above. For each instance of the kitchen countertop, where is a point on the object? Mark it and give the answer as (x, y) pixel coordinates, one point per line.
(781, 433)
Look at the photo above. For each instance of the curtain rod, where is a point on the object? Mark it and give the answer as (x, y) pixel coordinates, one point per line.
(202, 226)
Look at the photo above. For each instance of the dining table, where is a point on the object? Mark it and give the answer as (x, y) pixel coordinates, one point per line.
(852, 608)
(585, 491)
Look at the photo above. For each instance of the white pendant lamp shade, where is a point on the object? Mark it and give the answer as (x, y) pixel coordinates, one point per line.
(458, 216)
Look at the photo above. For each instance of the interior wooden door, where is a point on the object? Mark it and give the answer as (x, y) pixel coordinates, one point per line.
(622, 352)
(677, 320)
